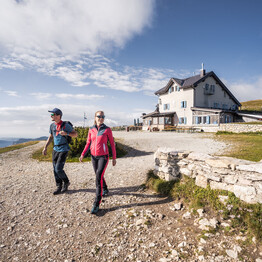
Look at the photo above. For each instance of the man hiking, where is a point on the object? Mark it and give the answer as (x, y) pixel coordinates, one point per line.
(59, 131)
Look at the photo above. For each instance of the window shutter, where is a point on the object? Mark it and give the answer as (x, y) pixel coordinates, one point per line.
(185, 104)
(180, 120)
(196, 120)
(185, 120)
(208, 119)
(182, 104)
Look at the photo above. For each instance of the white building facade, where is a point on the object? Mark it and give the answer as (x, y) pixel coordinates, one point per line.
(198, 101)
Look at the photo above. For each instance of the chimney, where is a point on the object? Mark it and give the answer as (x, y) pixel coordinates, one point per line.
(202, 71)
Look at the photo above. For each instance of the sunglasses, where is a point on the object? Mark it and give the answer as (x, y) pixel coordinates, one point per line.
(53, 114)
(100, 117)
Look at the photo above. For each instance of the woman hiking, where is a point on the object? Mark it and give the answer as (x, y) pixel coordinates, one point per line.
(98, 136)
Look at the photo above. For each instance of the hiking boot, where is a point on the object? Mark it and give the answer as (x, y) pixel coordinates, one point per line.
(94, 209)
(105, 192)
(58, 190)
(65, 187)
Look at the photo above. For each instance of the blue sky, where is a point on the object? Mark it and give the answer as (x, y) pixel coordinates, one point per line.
(84, 56)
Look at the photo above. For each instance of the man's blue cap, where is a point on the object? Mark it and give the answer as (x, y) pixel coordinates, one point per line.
(56, 111)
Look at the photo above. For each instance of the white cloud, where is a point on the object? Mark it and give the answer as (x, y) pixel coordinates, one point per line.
(11, 93)
(64, 38)
(245, 91)
(72, 26)
(41, 96)
(79, 96)
(34, 121)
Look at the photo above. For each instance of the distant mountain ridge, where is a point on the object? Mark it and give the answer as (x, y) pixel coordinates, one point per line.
(23, 140)
(14, 141)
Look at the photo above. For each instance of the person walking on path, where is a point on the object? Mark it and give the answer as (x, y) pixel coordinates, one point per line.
(97, 139)
(58, 132)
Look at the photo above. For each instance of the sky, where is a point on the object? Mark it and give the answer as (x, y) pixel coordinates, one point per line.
(112, 55)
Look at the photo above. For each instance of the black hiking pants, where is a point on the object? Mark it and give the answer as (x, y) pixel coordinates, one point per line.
(59, 159)
(99, 164)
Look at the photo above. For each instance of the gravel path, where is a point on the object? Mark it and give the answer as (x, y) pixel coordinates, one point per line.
(132, 225)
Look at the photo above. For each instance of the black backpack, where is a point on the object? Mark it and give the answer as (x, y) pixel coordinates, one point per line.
(68, 138)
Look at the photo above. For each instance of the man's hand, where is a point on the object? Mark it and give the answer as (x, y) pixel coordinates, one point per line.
(44, 152)
(114, 162)
(81, 158)
(62, 133)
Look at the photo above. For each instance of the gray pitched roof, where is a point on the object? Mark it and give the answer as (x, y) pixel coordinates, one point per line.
(192, 82)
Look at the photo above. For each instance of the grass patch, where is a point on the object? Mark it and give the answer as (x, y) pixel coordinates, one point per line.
(253, 105)
(161, 186)
(244, 145)
(245, 217)
(18, 146)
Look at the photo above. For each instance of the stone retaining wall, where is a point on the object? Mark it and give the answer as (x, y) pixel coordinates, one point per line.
(239, 128)
(242, 177)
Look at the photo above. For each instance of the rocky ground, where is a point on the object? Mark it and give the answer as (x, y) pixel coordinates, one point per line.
(133, 224)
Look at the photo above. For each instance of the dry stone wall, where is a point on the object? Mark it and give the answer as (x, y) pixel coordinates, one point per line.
(242, 177)
(240, 128)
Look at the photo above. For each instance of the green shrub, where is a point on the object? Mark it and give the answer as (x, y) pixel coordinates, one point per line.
(77, 146)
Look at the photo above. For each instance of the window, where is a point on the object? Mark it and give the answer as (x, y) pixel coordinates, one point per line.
(154, 120)
(227, 119)
(168, 121)
(166, 106)
(161, 120)
(202, 120)
(183, 104)
(216, 105)
(209, 89)
(169, 90)
(182, 120)
(172, 89)
(198, 120)
(225, 106)
(177, 88)
(160, 101)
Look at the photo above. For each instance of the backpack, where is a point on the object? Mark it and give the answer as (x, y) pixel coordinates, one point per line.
(68, 138)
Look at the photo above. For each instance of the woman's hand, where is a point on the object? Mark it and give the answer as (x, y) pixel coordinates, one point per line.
(81, 158)
(114, 162)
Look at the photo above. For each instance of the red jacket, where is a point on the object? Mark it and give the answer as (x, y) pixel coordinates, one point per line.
(97, 141)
